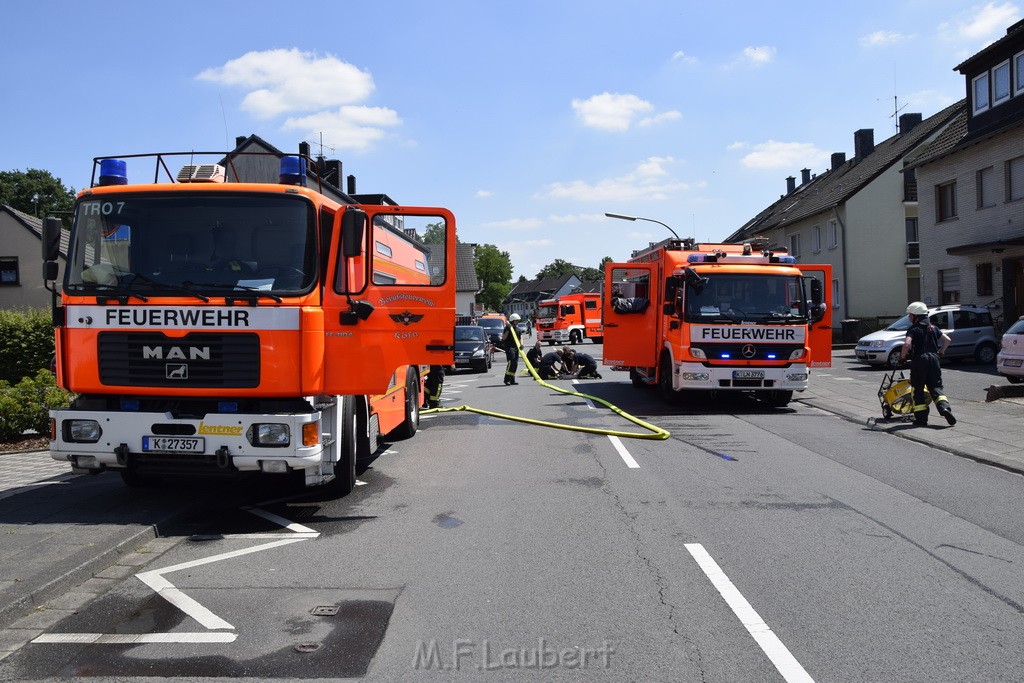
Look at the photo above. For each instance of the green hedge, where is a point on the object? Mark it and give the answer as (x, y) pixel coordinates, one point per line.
(26, 405)
(26, 343)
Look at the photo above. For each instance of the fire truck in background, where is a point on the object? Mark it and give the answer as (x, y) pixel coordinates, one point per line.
(694, 318)
(212, 326)
(570, 319)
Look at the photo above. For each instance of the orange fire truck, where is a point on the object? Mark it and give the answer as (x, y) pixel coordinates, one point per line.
(570, 318)
(691, 318)
(212, 326)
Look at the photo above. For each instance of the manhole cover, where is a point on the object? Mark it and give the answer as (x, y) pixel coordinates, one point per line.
(307, 647)
(325, 611)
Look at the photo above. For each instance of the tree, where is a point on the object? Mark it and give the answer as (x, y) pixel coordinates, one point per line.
(35, 192)
(557, 268)
(434, 234)
(494, 268)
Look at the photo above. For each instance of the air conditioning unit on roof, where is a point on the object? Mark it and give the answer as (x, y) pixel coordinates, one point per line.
(203, 173)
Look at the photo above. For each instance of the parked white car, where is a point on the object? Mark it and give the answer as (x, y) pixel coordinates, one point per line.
(1010, 361)
(969, 327)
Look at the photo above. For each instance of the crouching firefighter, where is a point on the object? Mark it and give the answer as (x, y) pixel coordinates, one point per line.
(432, 387)
(924, 343)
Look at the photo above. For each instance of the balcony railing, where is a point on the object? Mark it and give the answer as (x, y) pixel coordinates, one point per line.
(913, 252)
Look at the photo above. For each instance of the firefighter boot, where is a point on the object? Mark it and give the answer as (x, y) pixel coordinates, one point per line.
(942, 404)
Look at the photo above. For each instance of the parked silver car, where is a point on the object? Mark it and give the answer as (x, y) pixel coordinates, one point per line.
(1010, 361)
(969, 327)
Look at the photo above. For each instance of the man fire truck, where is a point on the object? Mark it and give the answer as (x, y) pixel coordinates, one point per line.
(717, 317)
(215, 325)
(570, 319)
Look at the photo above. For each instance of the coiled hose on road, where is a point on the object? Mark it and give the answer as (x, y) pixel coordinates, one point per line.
(654, 432)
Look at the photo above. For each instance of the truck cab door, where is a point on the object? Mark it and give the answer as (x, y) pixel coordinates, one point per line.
(820, 330)
(631, 314)
(389, 297)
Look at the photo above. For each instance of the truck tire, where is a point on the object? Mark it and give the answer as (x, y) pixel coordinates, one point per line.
(670, 395)
(345, 469)
(597, 340)
(776, 398)
(407, 429)
(575, 337)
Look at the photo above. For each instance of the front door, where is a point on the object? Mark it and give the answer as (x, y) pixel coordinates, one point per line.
(393, 304)
(632, 314)
(821, 331)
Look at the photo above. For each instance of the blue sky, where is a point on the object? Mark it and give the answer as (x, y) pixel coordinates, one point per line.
(529, 120)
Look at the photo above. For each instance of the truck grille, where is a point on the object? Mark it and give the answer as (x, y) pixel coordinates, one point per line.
(197, 360)
(733, 352)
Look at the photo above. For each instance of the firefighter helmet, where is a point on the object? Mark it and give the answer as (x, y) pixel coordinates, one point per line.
(918, 308)
(514, 318)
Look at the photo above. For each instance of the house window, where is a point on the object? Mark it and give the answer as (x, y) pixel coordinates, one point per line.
(1018, 74)
(949, 286)
(986, 181)
(1015, 179)
(794, 244)
(9, 271)
(1001, 83)
(833, 234)
(945, 201)
(835, 293)
(913, 245)
(980, 89)
(383, 249)
(816, 239)
(984, 278)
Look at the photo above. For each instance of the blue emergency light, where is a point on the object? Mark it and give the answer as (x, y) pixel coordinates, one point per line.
(113, 172)
(293, 171)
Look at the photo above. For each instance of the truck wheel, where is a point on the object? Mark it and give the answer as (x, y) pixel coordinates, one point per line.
(407, 429)
(634, 377)
(597, 340)
(777, 398)
(345, 469)
(670, 395)
(574, 337)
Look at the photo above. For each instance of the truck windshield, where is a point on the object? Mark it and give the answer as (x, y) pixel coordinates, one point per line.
(162, 244)
(547, 311)
(738, 297)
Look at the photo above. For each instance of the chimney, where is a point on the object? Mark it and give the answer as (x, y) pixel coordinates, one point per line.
(790, 185)
(303, 149)
(805, 176)
(908, 122)
(239, 139)
(332, 172)
(838, 159)
(351, 185)
(863, 143)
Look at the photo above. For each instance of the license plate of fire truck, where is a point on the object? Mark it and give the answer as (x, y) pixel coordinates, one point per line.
(748, 374)
(173, 444)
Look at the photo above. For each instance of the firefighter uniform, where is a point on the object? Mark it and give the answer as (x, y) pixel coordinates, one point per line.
(925, 341)
(508, 342)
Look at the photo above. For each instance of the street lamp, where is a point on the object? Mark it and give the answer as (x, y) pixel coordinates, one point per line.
(640, 218)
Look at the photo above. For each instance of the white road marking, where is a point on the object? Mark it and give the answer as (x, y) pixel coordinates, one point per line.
(155, 580)
(778, 653)
(623, 453)
(134, 638)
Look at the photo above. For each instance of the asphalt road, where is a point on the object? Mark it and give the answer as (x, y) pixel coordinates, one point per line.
(753, 545)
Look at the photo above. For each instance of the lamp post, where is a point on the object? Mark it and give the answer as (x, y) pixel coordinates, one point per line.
(640, 218)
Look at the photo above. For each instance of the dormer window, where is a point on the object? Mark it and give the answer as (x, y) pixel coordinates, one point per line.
(1018, 74)
(1001, 83)
(981, 101)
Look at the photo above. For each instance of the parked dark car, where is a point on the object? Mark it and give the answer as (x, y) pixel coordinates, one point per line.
(473, 348)
(493, 326)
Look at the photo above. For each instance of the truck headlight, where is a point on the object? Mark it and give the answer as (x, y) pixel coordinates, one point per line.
(82, 431)
(271, 434)
(798, 353)
(698, 353)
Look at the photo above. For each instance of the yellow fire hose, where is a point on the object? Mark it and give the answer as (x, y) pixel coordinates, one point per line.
(655, 432)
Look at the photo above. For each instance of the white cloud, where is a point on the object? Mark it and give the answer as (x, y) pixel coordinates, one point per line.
(883, 38)
(650, 180)
(659, 118)
(928, 100)
(981, 23)
(355, 128)
(291, 81)
(684, 58)
(773, 154)
(610, 111)
(483, 194)
(762, 54)
(739, 144)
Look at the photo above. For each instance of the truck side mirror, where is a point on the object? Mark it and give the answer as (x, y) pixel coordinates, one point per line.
(51, 239)
(353, 228)
(817, 311)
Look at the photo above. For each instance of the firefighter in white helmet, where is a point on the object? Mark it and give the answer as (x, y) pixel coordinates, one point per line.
(511, 346)
(924, 343)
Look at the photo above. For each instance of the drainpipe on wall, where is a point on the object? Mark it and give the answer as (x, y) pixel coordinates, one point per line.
(842, 244)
